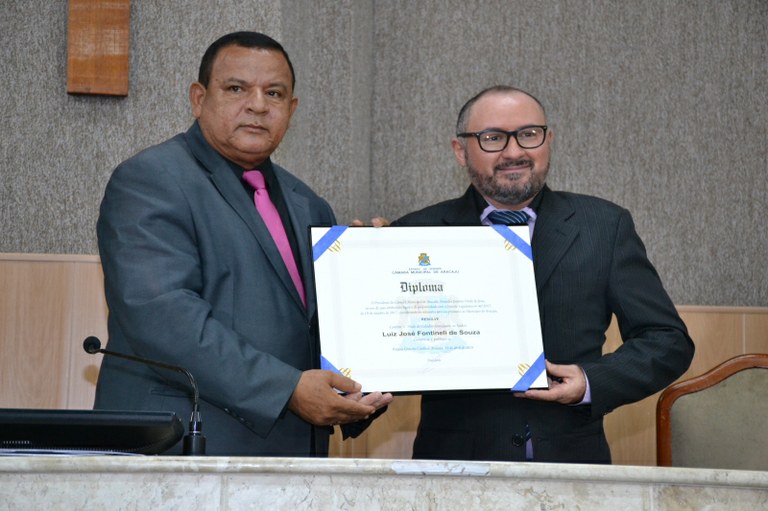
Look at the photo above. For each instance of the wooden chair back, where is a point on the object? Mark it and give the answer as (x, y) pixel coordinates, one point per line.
(718, 419)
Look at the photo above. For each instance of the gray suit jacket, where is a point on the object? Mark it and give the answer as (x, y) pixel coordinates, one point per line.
(193, 279)
(589, 263)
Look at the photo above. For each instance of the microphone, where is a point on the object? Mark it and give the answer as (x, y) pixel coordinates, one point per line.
(194, 441)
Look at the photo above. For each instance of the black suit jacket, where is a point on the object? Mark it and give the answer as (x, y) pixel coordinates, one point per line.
(194, 279)
(589, 264)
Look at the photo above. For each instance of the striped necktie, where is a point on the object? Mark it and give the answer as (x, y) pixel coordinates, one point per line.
(507, 217)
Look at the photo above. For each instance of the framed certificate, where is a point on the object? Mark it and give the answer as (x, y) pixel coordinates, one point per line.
(414, 309)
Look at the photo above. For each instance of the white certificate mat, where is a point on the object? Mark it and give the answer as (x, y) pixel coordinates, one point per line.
(409, 309)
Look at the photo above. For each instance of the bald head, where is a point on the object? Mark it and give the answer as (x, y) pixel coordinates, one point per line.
(466, 110)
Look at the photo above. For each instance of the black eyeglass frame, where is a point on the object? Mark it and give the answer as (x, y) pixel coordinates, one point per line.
(509, 135)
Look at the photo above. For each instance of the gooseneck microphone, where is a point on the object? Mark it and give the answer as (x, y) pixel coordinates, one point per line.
(194, 441)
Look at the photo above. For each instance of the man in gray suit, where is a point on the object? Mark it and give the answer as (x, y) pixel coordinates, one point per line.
(194, 277)
(589, 264)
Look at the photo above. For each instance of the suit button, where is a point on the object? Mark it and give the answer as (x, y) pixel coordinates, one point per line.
(518, 440)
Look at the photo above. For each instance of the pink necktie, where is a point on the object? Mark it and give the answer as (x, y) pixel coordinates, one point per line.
(271, 217)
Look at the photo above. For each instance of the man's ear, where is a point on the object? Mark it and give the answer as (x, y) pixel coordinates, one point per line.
(196, 96)
(459, 151)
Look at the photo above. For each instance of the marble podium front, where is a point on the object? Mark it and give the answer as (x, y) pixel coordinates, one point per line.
(212, 483)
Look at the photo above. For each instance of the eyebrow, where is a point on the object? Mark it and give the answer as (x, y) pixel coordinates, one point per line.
(241, 81)
(494, 128)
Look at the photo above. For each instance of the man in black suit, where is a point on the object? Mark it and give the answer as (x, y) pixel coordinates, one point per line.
(589, 264)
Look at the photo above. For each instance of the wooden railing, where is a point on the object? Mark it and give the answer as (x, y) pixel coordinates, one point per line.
(50, 303)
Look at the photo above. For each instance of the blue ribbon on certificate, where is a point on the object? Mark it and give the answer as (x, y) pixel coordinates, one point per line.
(539, 366)
(530, 375)
(318, 249)
(328, 239)
(325, 364)
(518, 242)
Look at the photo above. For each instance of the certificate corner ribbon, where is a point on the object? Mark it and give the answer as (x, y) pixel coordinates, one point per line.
(327, 241)
(519, 243)
(326, 364)
(533, 372)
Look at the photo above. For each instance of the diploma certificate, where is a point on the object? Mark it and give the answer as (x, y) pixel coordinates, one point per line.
(411, 309)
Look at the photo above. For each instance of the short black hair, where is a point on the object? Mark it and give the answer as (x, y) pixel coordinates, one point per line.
(244, 40)
(461, 122)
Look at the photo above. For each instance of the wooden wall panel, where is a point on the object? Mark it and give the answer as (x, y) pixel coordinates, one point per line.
(98, 38)
(50, 303)
(34, 317)
(630, 429)
(390, 436)
(89, 318)
(718, 334)
(756, 332)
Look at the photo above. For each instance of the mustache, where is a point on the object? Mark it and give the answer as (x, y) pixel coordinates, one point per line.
(513, 163)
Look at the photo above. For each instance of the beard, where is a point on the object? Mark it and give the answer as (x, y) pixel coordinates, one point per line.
(509, 190)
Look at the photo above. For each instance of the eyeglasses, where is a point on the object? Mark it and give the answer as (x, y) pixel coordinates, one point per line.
(494, 141)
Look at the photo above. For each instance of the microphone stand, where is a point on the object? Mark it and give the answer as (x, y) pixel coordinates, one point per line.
(194, 441)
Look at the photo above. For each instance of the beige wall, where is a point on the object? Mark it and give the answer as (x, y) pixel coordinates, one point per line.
(50, 304)
(658, 105)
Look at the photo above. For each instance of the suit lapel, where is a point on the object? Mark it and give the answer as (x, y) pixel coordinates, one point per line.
(553, 234)
(465, 210)
(226, 182)
(300, 217)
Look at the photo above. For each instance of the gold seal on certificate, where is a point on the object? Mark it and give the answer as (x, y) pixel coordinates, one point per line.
(414, 309)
